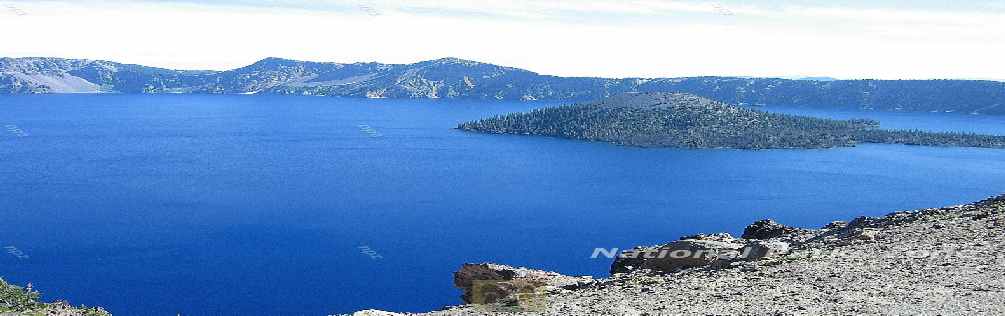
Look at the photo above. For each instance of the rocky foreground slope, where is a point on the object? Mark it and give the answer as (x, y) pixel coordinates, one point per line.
(943, 261)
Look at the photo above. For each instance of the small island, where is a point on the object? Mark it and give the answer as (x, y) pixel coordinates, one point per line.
(688, 121)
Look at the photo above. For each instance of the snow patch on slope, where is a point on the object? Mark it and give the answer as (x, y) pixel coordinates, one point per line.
(60, 83)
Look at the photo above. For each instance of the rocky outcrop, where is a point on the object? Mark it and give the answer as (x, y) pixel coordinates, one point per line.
(762, 240)
(373, 312)
(946, 261)
(488, 283)
(767, 229)
(689, 252)
(760, 249)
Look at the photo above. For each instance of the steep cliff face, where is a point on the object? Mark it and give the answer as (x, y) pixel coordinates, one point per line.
(452, 78)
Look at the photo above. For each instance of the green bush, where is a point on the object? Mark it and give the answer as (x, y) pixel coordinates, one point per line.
(17, 299)
(23, 301)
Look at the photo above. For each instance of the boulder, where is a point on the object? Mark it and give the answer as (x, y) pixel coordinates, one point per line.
(760, 249)
(695, 251)
(865, 222)
(373, 312)
(767, 229)
(487, 283)
(723, 237)
(836, 225)
(866, 234)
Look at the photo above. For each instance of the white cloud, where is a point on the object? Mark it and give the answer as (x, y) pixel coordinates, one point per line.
(646, 38)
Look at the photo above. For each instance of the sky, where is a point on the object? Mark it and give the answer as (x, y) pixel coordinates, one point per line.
(921, 39)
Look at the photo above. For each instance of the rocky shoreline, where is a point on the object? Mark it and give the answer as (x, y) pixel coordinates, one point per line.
(940, 261)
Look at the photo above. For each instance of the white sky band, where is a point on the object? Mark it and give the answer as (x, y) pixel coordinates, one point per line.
(567, 38)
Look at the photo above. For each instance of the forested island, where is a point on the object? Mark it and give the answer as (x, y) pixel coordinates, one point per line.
(689, 121)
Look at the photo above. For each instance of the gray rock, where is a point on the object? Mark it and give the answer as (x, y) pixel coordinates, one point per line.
(864, 222)
(836, 225)
(373, 312)
(723, 237)
(488, 283)
(866, 234)
(767, 229)
(710, 250)
(834, 273)
(759, 249)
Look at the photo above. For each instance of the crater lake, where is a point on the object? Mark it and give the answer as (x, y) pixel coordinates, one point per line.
(274, 205)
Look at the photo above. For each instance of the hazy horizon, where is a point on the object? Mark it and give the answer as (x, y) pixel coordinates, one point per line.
(807, 77)
(611, 39)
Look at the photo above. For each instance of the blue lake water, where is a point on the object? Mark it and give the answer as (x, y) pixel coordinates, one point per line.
(258, 205)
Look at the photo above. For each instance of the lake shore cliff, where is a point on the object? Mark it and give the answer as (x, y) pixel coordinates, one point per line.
(943, 261)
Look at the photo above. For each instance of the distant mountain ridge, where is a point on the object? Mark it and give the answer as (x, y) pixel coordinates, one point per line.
(452, 78)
